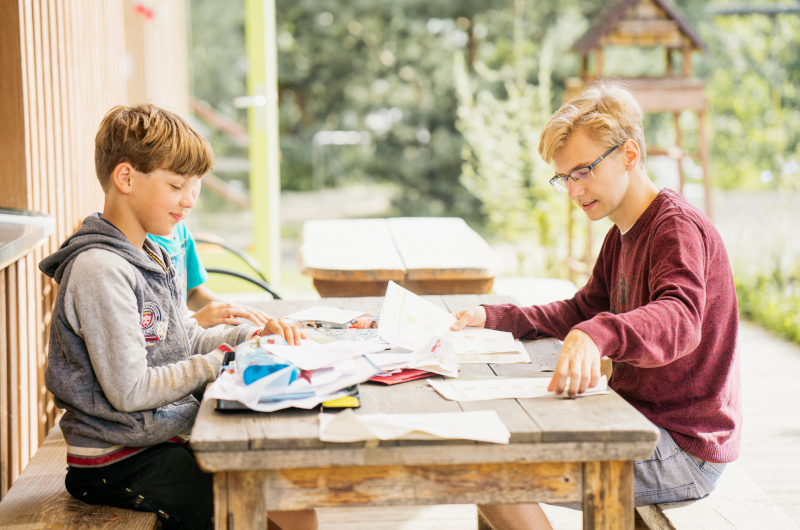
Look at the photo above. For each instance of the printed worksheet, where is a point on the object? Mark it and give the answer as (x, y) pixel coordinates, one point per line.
(410, 321)
(504, 388)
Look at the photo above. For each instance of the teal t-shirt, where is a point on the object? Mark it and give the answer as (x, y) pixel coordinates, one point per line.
(182, 251)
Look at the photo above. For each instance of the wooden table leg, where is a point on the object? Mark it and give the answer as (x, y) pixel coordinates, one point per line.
(240, 501)
(221, 501)
(608, 495)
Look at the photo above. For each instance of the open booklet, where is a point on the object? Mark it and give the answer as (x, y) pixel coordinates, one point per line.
(410, 321)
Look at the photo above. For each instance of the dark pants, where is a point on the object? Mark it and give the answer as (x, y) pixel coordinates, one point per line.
(165, 479)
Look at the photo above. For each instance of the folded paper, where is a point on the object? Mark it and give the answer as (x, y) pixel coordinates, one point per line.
(346, 426)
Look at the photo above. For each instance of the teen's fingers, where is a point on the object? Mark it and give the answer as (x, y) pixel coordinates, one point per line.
(559, 380)
(469, 317)
(586, 375)
(596, 373)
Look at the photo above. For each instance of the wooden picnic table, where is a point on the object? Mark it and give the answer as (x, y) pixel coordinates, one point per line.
(426, 255)
(561, 450)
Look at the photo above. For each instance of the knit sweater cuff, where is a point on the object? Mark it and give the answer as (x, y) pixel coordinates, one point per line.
(606, 340)
(494, 316)
(216, 357)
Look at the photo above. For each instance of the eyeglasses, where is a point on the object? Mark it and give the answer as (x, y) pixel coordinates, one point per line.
(581, 175)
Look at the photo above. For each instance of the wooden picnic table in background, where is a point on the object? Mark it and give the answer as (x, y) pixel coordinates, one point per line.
(426, 255)
(561, 450)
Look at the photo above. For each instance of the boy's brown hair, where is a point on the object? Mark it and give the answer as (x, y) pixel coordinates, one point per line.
(149, 138)
(607, 110)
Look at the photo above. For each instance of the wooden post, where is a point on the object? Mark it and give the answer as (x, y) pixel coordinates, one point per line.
(587, 250)
(679, 161)
(608, 495)
(598, 62)
(670, 63)
(701, 120)
(585, 66)
(262, 124)
(570, 231)
(687, 62)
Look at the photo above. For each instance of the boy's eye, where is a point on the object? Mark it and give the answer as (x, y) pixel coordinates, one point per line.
(175, 187)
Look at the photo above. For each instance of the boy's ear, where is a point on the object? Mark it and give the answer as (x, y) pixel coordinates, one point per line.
(632, 154)
(121, 177)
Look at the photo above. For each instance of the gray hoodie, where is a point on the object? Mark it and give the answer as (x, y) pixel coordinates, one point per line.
(124, 356)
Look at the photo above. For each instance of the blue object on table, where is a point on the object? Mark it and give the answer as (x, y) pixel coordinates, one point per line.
(254, 361)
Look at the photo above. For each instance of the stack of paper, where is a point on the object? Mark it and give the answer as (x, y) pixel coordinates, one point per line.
(410, 321)
(327, 371)
(437, 357)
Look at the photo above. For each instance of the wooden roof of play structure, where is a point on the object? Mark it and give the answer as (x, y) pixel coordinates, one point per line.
(639, 23)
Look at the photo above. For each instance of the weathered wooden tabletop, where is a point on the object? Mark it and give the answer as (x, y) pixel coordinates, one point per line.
(356, 257)
(561, 450)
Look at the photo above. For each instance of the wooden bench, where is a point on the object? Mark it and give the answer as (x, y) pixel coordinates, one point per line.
(38, 499)
(737, 503)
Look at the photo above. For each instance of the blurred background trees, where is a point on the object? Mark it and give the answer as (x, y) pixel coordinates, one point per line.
(444, 100)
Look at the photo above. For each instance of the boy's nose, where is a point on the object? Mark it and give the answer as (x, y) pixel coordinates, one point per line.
(188, 199)
(575, 189)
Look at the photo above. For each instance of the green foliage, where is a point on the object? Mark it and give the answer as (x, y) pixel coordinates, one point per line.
(501, 164)
(772, 299)
(752, 72)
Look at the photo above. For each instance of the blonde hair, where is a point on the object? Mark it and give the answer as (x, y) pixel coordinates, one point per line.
(149, 138)
(608, 111)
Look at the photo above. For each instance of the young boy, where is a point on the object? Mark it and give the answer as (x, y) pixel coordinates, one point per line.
(660, 303)
(124, 357)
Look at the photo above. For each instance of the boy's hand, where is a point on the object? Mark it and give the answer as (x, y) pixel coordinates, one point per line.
(214, 313)
(475, 317)
(277, 326)
(580, 360)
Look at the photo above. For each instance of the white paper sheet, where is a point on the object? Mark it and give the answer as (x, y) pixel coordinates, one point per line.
(346, 426)
(334, 315)
(504, 388)
(410, 321)
(312, 356)
(520, 355)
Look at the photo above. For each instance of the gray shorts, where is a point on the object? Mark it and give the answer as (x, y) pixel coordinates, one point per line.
(670, 475)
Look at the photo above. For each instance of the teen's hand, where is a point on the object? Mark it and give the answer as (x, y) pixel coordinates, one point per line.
(214, 313)
(475, 317)
(283, 328)
(580, 360)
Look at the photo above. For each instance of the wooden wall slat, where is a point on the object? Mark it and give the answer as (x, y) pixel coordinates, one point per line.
(22, 366)
(5, 440)
(57, 83)
(13, 375)
(32, 385)
(13, 151)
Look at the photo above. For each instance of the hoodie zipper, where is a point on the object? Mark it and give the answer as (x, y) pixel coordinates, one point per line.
(171, 296)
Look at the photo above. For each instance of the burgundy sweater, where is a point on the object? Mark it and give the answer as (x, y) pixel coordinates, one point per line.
(662, 305)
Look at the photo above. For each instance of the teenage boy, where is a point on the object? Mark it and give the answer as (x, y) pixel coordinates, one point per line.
(124, 358)
(660, 303)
